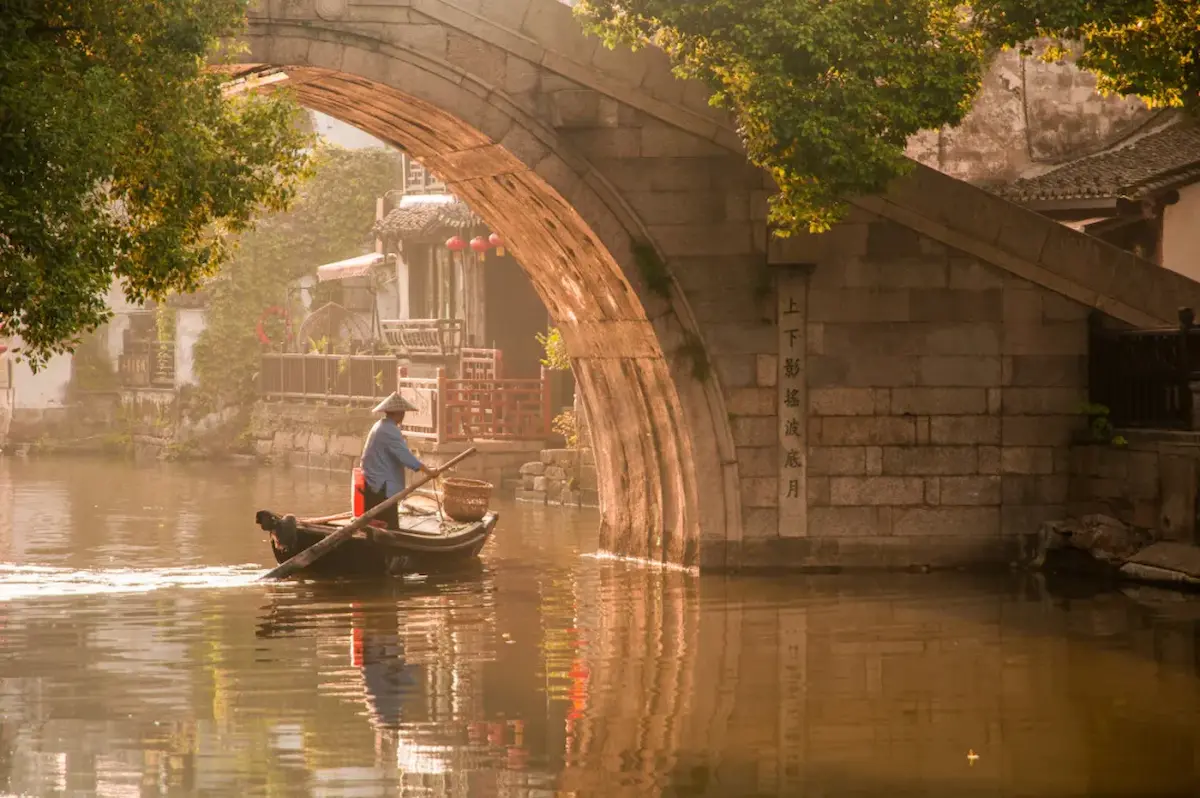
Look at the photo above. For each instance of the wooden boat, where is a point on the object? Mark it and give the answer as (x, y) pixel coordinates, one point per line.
(426, 542)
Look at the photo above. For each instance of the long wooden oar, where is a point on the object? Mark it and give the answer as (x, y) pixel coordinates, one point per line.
(335, 539)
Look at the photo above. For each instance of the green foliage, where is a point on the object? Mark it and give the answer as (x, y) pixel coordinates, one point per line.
(1148, 48)
(556, 358)
(1100, 428)
(566, 425)
(331, 219)
(123, 157)
(827, 94)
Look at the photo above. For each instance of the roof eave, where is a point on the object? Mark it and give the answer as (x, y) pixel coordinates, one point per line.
(1069, 204)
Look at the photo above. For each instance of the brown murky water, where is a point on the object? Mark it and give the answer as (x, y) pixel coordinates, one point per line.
(138, 657)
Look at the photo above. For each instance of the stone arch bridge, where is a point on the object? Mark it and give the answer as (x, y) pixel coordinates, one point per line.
(893, 392)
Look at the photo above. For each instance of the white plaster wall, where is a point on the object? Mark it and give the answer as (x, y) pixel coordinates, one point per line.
(1181, 233)
(45, 389)
(387, 302)
(114, 343)
(116, 299)
(307, 284)
(6, 397)
(189, 323)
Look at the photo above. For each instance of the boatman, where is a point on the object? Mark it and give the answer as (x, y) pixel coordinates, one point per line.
(385, 457)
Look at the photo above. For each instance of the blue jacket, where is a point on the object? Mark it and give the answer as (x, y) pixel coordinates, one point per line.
(385, 456)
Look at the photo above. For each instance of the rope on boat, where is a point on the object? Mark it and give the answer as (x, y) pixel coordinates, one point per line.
(437, 495)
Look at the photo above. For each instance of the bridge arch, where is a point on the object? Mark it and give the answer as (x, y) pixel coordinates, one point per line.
(580, 175)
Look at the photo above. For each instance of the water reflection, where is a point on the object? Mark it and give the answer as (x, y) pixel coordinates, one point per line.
(545, 673)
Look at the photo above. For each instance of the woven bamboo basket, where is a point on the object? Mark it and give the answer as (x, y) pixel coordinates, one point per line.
(465, 500)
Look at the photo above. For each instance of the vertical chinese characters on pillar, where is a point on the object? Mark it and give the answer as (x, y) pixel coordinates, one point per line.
(793, 405)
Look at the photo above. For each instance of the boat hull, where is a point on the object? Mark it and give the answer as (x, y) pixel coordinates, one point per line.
(378, 553)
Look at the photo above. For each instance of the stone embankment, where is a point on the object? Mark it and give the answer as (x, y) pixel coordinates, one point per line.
(561, 476)
(1118, 550)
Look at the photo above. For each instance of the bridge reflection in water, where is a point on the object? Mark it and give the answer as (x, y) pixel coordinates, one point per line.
(546, 673)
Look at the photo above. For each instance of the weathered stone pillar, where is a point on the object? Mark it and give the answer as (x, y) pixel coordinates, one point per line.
(792, 319)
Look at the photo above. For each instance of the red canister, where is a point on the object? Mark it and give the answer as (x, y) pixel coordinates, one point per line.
(358, 492)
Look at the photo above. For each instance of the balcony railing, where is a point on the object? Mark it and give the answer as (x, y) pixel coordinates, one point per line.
(424, 337)
(352, 379)
(147, 364)
(448, 409)
(1145, 377)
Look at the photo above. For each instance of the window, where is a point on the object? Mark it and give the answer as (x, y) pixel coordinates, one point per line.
(419, 180)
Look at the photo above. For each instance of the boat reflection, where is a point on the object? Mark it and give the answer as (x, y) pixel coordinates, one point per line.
(415, 657)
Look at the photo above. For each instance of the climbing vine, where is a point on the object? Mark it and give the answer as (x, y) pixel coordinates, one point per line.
(331, 220)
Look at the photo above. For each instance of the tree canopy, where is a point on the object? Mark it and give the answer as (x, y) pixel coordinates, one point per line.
(826, 94)
(121, 156)
(1147, 48)
(330, 220)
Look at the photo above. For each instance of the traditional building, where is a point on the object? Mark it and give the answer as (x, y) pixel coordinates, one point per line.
(439, 311)
(1141, 193)
(140, 352)
(438, 281)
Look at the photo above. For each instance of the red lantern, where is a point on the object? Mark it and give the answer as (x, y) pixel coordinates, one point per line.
(496, 241)
(456, 244)
(479, 244)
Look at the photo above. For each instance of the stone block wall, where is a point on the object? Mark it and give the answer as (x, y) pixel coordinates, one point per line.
(1150, 483)
(496, 462)
(332, 437)
(942, 397)
(1029, 116)
(310, 436)
(561, 476)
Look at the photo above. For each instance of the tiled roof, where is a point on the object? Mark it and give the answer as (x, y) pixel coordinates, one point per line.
(1162, 159)
(423, 220)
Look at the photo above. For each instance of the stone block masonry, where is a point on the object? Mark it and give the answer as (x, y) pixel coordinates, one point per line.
(942, 394)
(564, 477)
(1150, 483)
(644, 230)
(332, 438)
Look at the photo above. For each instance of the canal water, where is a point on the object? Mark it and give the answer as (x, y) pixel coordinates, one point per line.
(139, 657)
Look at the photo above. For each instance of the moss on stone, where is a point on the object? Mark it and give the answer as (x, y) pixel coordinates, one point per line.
(693, 349)
(653, 269)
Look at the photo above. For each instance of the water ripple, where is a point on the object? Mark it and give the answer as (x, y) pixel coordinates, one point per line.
(31, 581)
(545, 672)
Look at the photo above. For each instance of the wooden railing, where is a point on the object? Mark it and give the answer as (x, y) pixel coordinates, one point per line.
(447, 409)
(429, 337)
(477, 409)
(1145, 377)
(147, 364)
(354, 379)
(481, 364)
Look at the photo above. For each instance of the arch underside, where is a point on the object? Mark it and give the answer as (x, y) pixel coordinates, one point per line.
(650, 460)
